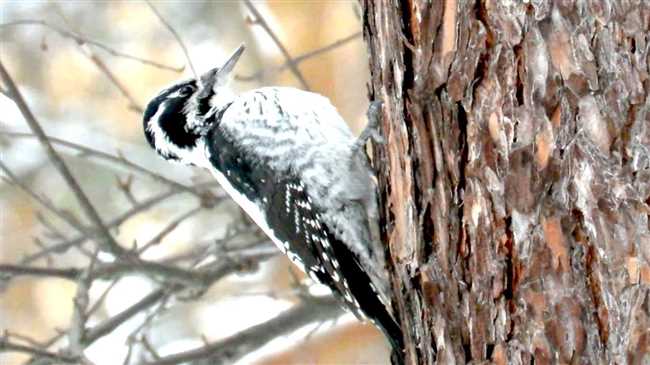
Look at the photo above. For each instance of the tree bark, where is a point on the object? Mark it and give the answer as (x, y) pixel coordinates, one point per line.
(515, 177)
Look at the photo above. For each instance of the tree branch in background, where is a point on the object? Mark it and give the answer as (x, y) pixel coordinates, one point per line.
(224, 268)
(101, 65)
(21, 270)
(65, 216)
(81, 39)
(233, 348)
(101, 232)
(104, 328)
(133, 104)
(259, 19)
(176, 36)
(7, 346)
(259, 75)
(120, 160)
(168, 229)
(62, 247)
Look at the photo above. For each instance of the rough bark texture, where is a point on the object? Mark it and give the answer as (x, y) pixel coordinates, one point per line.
(515, 177)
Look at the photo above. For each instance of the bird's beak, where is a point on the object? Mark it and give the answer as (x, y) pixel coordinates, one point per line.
(218, 76)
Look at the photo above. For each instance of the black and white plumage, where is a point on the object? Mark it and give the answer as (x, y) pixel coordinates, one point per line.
(291, 162)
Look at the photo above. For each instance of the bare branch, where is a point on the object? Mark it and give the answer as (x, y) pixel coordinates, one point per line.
(101, 233)
(66, 216)
(133, 104)
(125, 187)
(81, 39)
(129, 353)
(112, 323)
(317, 52)
(92, 56)
(160, 307)
(207, 277)
(16, 270)
(178, 279)
(7, 346)
(168, 229)
(51, 230)
(79, 317)
(106, 156)
(259, 19)
(23, 338)
(102, 297)
(150, 349)
(234, 347)
(176, 36)
(65, 245)
(151, 268)
(47, 344)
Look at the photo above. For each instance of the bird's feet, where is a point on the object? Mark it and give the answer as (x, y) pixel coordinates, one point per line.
(372, 128)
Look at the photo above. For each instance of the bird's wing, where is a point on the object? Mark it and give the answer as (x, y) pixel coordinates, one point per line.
(279, 203)
(310, 242)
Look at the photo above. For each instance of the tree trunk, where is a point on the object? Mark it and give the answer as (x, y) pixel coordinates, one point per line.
(515, 177)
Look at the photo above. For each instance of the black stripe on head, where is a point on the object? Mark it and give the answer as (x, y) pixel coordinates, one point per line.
(172, 120)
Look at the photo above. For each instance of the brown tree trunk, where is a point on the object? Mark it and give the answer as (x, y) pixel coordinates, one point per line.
(515, 177)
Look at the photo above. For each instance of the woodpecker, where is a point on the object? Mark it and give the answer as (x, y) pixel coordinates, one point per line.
(292, 164)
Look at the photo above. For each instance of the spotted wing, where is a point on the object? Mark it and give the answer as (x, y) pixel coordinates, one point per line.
(296, 221)
(278, 204)
(335, 264)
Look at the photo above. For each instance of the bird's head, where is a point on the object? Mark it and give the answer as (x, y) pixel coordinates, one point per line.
(178, 117)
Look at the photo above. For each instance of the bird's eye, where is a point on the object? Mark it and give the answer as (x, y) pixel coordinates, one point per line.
(187, 90)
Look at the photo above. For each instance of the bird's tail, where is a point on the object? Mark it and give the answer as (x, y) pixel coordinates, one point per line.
(369, 299)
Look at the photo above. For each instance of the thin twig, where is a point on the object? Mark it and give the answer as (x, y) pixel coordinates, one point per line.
(65, 245)
(205, 276)
(95, 307)
(6, 346)
(112, 323)
(150, 349)
(106, 156)
(231, 349)
(317, 52)
(162, 305)
(259, 19)
(50, 230)
(172, 274)
(77, 329)
(66, 216)
(133, 104)
(101, 65)
(125, 187)
(168, 229)
(23, 338)
(81, 39)
(49, 343)
(129, 353)
(18, 270)
(176, 36)
(101, 233)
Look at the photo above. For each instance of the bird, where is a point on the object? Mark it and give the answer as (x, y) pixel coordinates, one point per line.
(291, 162)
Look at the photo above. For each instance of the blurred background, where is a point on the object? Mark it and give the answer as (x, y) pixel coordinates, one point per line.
(86, 69)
